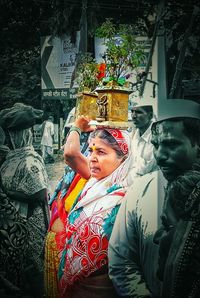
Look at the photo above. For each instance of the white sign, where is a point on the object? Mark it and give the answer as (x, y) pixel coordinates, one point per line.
(58, 57)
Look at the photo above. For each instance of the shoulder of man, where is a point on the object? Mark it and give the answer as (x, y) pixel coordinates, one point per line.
(141, 186)
(145, 199)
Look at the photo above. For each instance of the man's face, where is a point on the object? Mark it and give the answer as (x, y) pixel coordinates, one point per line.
(173, 150)
(140, 117)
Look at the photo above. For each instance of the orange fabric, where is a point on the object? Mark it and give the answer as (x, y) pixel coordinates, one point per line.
(64, 205)
(61, 201)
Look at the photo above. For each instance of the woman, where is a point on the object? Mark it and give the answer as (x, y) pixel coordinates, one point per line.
(13, 239)
(83, 266)
(24, 181)
(13, 243)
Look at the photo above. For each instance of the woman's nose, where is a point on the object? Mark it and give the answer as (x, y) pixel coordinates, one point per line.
(93, 156)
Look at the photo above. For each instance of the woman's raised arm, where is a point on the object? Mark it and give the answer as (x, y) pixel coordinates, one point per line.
(72, 152)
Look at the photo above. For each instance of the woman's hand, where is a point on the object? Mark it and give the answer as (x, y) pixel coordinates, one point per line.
(82, 122)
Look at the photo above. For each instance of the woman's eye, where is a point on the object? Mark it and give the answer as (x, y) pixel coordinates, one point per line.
(97, 152)
(100, 152)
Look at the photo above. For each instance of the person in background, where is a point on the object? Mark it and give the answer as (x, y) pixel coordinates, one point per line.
(47, 132)
(13, 248)
(142, 117)
(134, 251)
(179, 237)
(91, 207)
(24, 181)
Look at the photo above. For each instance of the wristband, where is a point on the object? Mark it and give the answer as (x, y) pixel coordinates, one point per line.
(75, 128)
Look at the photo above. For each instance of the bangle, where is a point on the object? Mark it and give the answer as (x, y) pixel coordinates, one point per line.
(75, 128)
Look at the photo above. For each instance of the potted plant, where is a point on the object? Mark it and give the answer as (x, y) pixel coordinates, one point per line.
(89, 73)
(122, 55)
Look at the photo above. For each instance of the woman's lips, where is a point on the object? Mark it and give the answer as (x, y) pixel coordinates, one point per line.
(94, 170)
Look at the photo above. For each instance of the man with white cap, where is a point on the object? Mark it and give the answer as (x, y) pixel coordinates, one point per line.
(153, 247)
(142, 116)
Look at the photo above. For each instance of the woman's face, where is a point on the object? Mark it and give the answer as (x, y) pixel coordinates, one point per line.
(103, 160)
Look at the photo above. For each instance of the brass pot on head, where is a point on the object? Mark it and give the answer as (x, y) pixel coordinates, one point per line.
(86, 104)
(112, 104)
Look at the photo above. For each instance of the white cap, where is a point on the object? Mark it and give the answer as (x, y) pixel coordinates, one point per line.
(177, 108)
(143, 102)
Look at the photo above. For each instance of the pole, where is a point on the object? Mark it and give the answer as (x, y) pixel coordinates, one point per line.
(83, 28)
(149, 61)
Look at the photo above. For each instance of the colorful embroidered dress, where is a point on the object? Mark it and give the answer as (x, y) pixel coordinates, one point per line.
(89, 226)
(69, 186)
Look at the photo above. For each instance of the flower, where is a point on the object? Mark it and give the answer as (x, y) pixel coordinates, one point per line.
(102, 71)
(89, 72)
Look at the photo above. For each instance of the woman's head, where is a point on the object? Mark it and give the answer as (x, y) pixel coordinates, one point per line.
(19, 117)
(108, 148)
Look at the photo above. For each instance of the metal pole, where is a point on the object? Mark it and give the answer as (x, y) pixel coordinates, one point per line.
(83, 28)
(149, 61)
(161, 63)
(162, 96)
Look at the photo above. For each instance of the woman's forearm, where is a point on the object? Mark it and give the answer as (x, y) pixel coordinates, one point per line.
(72, 151)
(72, 145)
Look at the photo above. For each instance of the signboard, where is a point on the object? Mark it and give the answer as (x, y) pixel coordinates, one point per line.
(58, 61)
(62, 93)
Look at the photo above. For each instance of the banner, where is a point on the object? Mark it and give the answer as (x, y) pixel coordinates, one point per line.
(58, 61)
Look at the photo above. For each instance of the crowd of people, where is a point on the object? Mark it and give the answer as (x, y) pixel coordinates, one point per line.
(123, 220)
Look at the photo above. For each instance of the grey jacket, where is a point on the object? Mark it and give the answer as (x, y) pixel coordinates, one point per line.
(132, 254)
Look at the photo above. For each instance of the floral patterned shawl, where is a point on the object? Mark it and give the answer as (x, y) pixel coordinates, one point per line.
(89, 225)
